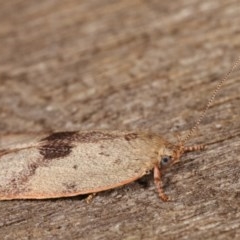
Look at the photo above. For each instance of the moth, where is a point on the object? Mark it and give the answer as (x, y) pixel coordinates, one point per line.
(67, 164)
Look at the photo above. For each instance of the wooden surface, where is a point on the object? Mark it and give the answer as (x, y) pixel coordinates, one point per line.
(149, 65)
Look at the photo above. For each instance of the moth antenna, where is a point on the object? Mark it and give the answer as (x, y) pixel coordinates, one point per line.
(203, 114)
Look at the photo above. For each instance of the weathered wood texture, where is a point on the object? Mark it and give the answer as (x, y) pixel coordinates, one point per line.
(70, 65)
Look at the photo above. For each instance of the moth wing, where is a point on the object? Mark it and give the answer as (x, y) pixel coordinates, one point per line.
(20, 141)
(60, 170)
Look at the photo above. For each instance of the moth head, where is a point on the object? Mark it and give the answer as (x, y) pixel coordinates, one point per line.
(166, 157)
(172, 154)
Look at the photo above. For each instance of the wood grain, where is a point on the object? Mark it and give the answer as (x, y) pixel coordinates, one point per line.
(148, 65)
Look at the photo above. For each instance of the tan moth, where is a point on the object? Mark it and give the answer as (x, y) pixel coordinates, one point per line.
(66, 164)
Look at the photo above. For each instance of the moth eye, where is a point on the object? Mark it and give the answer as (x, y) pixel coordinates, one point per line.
(165, 160)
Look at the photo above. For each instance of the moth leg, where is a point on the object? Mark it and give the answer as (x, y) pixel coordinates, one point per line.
(158, 183)
(90, 197)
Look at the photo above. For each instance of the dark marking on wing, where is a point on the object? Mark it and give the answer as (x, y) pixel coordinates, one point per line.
(75, 167)
(94, 136)
(131, 136)
(117, 161)
(78, 137)
(32, 168)
(60, 136)
(16, 185)
(59, 145)
(27, 173)
(104, 154)
(70, 187)
(54, 150)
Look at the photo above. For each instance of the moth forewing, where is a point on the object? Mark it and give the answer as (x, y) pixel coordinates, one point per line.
(73, 163)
